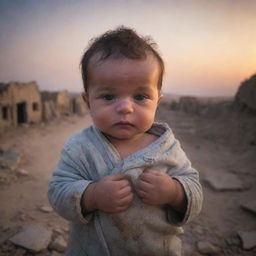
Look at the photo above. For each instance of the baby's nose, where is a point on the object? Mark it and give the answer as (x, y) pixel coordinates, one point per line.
(124, 106)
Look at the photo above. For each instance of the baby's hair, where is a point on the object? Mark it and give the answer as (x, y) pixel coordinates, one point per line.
(119, 43)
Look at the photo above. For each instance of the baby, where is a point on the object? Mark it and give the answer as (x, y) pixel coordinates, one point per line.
(124, 183)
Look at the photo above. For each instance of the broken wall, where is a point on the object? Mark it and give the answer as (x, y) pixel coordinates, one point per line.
(79, 106)
(20, 103)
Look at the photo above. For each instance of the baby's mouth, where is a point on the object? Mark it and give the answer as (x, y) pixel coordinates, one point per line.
(124, 123)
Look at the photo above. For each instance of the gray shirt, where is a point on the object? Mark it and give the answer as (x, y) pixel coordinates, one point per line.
(142, 229)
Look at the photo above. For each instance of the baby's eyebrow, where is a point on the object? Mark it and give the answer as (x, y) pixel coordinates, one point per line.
(106, 89)
(144, 88)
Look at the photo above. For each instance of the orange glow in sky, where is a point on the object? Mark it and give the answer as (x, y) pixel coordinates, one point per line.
(209, 47)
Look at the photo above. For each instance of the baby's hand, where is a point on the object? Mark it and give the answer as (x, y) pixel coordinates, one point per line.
(112, 193)
(158, 188)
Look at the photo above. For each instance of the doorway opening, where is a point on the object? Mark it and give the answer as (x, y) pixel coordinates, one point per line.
(21, 113)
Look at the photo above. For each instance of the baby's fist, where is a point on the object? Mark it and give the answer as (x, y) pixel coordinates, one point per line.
(156, 187)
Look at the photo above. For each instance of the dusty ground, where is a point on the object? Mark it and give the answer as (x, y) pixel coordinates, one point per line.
(218, 222)
(216, 145)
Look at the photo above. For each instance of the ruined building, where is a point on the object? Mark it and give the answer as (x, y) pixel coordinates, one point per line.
(19, 103)
(78, 105)
(22, 103)
(56, 104)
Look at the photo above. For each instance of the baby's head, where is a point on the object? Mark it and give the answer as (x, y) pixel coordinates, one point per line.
(117, 44)
(122, 75)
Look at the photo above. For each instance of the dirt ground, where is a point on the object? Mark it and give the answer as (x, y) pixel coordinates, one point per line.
(220, 220)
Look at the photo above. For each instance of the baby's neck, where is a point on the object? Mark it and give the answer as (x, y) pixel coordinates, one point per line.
(128, 147)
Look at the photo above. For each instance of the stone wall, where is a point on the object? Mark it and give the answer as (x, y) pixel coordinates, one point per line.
(63, 103)
(23, 103)
(19, 103)
(49, 110)
(79, 105)
(56, 104)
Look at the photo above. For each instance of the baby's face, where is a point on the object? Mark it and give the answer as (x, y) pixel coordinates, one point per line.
(123, 96)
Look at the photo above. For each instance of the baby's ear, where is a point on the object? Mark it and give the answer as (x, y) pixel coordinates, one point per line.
(160, 98)
(86, 99)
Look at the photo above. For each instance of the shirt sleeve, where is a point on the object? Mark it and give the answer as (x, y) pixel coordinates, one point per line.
(189, 179)
(67, 186)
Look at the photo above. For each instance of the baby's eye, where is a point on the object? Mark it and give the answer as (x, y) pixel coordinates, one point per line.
(140, 97)
(108, 97)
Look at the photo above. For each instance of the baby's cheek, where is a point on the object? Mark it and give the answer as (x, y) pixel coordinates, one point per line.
(101, 118)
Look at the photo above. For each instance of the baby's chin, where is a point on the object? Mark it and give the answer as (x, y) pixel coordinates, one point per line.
(122, 136)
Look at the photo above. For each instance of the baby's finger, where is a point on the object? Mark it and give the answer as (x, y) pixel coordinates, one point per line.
(126, 200)
(142, 194)
(145, 186)
(124, 183)
(117, 176)
(125, 191)
(147, 201)
(147, 177)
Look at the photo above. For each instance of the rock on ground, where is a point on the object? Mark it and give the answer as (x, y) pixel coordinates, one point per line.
(22, 172)
(248, 239)
(9, 159)
(206, 247)
(35, 238)
(46, 209)
(250, 206)
(224, 182)
(54, 253)
(59, 244)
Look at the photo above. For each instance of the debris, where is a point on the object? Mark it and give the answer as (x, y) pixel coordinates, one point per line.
(233, 241)
(22, 172)
(54, 253)
(248, 239)
(59, 244)
(188, 249)
(250, 206)
(207, 248)
(224, 182)
(5, 228)
(198, 230)
(35, 238)
(23, 217)
(7, 248)
(58, 230)
(46, 209)
(9, 159)
(65, 229)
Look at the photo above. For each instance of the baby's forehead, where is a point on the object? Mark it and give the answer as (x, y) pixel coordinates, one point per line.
(98, 58)
(124, 68)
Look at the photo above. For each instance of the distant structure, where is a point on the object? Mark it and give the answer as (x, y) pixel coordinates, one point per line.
(246, 94)
(78, 105)
(19, 103)
(23, 103)
(56, 104)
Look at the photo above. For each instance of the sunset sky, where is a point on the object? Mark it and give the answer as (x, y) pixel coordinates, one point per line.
(209, 46)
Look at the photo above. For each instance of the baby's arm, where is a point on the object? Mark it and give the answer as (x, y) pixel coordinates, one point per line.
(111, 194)
(72, 191)
(158, 188)
(67, 186)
